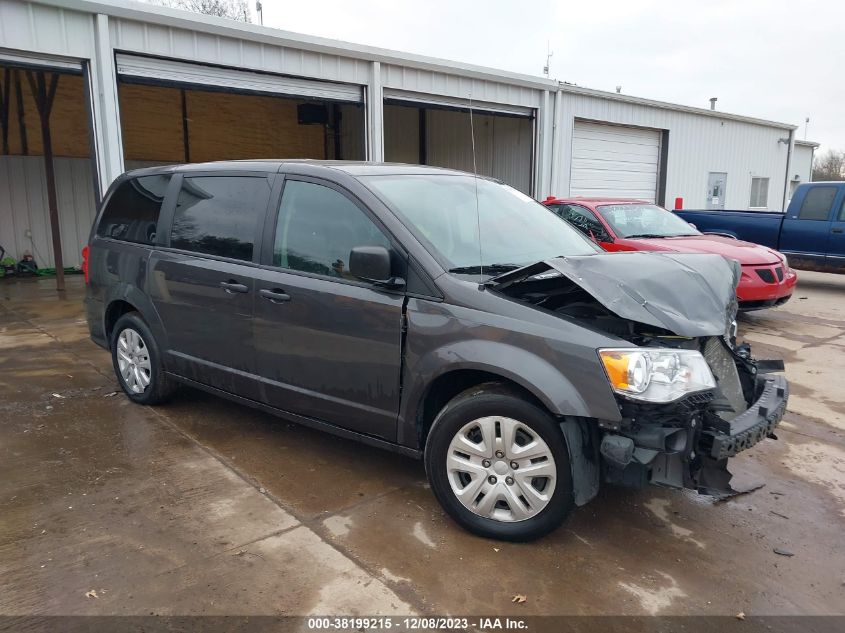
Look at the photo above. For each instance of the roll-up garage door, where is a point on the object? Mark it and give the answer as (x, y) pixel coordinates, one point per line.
(142, 68)
(613, 160)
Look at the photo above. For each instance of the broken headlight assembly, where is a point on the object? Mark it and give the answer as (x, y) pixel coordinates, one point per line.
(656, 374)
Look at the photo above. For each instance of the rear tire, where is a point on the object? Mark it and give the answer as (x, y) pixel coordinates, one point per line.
(499, 465)
(137, 361)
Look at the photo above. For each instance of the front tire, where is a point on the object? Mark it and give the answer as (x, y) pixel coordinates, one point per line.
(137, 361)
(499, 465)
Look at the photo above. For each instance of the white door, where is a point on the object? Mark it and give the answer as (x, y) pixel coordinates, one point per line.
(614, 161)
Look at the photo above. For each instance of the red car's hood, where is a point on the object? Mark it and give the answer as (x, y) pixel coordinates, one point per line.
(745, 253)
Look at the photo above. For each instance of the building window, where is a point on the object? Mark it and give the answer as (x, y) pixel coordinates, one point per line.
(759, 193)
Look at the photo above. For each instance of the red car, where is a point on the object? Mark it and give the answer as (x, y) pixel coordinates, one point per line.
(635, 225)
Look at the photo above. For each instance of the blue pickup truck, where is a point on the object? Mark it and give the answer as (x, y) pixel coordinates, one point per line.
(811, 233)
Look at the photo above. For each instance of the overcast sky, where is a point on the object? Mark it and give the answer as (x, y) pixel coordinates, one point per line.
(773, 59)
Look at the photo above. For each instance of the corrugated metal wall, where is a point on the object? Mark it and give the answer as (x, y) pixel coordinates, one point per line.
(454, 85)
(51, 30)
(155, 39)
(25, 217)
(697, 144)
(802, 164)
(503, 144)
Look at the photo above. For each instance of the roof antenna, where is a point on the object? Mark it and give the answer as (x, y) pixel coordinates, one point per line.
(477, 211)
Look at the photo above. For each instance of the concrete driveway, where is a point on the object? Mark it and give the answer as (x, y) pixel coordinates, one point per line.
(207, 507)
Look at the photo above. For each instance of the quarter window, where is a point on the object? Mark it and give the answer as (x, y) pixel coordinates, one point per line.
(759, 193)
(318, 227)
(218, 215)
(817, 203)
(132, 211)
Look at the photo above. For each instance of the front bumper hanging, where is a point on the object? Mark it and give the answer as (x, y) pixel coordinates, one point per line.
(756, 424)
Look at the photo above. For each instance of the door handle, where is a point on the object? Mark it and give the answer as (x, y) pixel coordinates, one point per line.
(835, 230)
(276, 295)
(233, 286)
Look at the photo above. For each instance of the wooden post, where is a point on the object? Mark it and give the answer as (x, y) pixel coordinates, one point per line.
(186, 134)
(5, 103)
(44, 95)
(21, 119)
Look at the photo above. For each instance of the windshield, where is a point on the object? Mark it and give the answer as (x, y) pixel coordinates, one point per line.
(440, 210)
(644, 220)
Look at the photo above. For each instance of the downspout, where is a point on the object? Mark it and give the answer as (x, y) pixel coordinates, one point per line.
(788, 166)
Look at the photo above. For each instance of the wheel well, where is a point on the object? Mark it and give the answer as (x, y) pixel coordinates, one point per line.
(450, 384)
(116, 310)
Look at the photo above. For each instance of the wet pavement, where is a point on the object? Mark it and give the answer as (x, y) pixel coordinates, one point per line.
(203, 506)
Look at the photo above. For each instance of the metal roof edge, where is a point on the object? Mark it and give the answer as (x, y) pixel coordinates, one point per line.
(603, 94)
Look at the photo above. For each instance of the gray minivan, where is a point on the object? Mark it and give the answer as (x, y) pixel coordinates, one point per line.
(437, 314)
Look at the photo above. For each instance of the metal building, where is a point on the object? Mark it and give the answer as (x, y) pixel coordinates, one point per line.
(141, 84)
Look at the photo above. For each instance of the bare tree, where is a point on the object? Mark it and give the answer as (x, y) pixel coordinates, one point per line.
(829, 166)
(231, 9)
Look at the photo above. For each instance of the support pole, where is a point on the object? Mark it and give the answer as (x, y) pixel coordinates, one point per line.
(375, 114)
(5, 103)
(21, 119)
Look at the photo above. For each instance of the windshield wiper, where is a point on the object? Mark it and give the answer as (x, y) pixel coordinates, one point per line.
(486, 268)
(646, 235)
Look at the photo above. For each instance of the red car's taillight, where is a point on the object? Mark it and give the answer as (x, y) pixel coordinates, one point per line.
(85, 251)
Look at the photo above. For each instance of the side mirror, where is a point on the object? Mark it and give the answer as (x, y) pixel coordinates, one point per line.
(693, 225)
(372, 263)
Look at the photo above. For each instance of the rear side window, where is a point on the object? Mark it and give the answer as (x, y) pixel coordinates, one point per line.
(218, 215)
(317, 229)
(132, 211)
(817, 203)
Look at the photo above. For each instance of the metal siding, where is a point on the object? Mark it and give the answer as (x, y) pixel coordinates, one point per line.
(45, 29)
(512, 147)
(449, 141)
(452, 85)
(503, 145)
(802, 163)
(698, 144)
(196, 46)
(23, 205)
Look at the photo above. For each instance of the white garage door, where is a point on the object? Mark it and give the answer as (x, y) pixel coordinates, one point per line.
(187, 73)
(612, 160)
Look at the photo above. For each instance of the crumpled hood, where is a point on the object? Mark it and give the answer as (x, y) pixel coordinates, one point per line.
(687, 294)
(745, 253)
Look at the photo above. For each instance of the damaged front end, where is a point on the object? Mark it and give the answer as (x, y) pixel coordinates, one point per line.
(669, 306)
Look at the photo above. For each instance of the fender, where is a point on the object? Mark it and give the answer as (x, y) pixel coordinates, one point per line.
(130, 293)
(526, 369)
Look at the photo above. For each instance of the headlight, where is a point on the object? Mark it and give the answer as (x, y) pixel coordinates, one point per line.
(656, 374)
